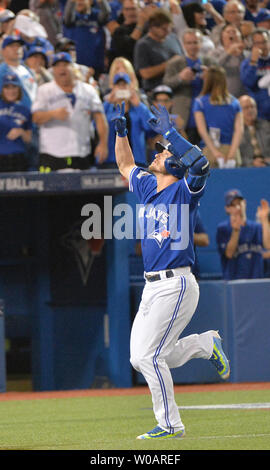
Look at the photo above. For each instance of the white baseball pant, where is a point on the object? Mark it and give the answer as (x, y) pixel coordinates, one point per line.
(166, 308)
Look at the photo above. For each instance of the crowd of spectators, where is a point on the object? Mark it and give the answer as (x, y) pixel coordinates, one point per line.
(65, 64)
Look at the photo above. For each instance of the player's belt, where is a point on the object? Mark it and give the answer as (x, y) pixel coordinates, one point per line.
(167, 274)
(157, 277)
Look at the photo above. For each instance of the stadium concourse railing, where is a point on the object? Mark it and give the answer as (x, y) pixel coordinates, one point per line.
(75, 302)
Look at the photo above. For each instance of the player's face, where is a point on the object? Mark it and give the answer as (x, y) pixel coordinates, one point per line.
(157, 166)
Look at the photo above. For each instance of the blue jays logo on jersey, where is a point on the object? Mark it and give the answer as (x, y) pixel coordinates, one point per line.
(157, 220)
(160, 235)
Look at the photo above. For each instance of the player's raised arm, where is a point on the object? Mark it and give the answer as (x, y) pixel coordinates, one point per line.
(123, 152)
(186, 157)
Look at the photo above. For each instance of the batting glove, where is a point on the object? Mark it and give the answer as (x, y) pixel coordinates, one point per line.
(161, 122)
(119, 120)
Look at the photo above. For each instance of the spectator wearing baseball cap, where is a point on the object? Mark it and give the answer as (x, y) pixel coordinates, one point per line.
(137, 116)
(82, 72)
(15, 124)
(6, 20)
(163, 95)
(12, 61)
(231, 195)
(241, 241)
(263, 19)
(61, 57)
(64, 111)
(37, 60)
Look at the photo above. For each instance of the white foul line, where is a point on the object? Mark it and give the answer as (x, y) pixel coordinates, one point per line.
(229, 406)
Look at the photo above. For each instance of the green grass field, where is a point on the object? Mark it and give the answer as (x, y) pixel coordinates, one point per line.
(112, 423)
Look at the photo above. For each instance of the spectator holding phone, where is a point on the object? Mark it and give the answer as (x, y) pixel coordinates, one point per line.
(137, 115)
(229, 55)
(254, 68)
(184, 75)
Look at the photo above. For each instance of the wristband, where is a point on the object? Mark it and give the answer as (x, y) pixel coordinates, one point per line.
(122, 133)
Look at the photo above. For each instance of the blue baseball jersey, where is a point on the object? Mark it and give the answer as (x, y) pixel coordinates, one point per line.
(13, 115)
(247, 262)
(89, 37)
(166, 220)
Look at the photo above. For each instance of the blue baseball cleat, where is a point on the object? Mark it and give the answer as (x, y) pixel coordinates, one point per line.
(219, 358)
(159, 433)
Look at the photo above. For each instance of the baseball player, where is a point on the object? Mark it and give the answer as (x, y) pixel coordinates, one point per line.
(171, 293)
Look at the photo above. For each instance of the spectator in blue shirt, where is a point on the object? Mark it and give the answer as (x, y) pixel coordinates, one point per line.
(254, 10)
(241, 241)
(254, 68)
(16, 126)
(83, 23)
(137, 115)
(219, 119)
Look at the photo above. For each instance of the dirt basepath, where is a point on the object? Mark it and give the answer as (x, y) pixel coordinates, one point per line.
(140, 390)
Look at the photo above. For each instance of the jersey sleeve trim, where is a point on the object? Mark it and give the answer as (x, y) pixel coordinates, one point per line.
(130, 178)
(194, 192)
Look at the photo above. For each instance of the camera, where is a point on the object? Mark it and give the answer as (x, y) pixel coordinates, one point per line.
(122, 94)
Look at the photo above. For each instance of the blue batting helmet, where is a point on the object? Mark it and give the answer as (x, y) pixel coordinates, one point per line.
(173, 164)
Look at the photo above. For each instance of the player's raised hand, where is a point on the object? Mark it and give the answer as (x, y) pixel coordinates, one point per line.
(120, 122)
(161, 122)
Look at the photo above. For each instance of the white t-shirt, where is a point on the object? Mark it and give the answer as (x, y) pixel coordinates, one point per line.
(69, 138)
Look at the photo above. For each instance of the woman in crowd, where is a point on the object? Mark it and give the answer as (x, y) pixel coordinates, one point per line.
(16, 127)
(195, 16)
(229, 55)
(122, 65)
(137, 115)
(219, 120)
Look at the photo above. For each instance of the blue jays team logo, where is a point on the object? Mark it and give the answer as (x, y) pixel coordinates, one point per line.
(160, 235)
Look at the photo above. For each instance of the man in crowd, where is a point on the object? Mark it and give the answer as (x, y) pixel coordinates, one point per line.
(253, 68)
(255, 144)
(63, 111)
(241, 241)
(152, 51)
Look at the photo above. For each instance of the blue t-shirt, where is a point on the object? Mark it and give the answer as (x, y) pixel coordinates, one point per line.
(160, 215)
(13, 115)
(250, 76)
(247, 262)
(219, 118)
(89, 38)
